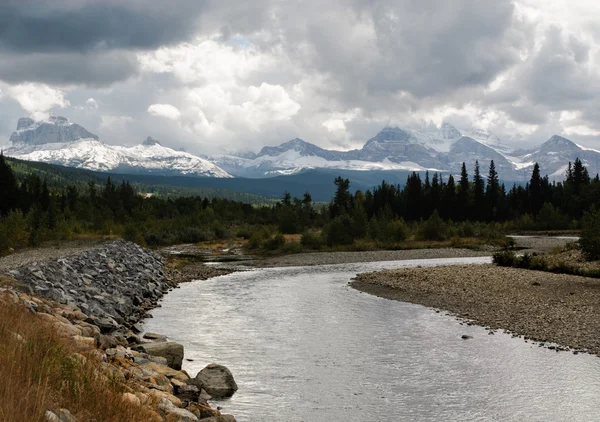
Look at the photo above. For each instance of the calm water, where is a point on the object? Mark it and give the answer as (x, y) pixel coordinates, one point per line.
(303, 346)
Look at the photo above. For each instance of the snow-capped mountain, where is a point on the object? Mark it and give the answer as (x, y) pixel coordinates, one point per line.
(434, 148)
(554, 155)
(59, 141)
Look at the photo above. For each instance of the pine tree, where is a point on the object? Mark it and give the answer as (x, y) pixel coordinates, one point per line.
(463, 195)
(9, 189)
(478, 193)
(448, 207)
(535, 191)
(492, 191)
(342, 200)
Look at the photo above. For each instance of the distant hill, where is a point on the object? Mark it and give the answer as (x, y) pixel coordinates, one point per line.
(58, 176)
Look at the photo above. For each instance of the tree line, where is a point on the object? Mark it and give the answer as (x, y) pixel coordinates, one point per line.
(433, 207)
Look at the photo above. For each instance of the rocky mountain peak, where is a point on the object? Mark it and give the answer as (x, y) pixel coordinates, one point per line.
(24, 123)
(56, 129)
(149, 141)
(447, 131)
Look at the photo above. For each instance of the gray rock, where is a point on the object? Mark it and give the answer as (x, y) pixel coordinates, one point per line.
(169, 350)
(217, 380)
(155, 337)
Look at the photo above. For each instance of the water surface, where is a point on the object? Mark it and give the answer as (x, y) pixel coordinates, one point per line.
(303, 346)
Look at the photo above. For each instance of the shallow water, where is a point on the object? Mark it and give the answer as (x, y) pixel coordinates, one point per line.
(303, 346)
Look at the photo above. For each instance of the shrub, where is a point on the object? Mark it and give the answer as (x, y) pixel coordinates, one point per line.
(311, 240)
(132, 233)
(291, 247)
(590, 235)
(466, 229)
(274, 243)
(288, 221)
(193, 235)
(338, 231)
(397, 230)
(220, 231)
(434, 228)
(505, 259)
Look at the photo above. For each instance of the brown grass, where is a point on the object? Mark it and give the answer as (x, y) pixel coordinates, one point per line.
(39, 371)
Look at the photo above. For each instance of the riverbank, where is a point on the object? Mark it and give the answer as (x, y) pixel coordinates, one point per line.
(88, 302)
(550, 309)
(328, 258)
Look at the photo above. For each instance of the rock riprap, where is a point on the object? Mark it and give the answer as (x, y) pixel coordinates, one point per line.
(113, 284)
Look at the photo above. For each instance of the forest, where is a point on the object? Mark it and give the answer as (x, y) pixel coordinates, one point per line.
(429, 208)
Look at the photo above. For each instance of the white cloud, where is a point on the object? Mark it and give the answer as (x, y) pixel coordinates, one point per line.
(165, 110)
(91, 104)
(112, 121)
(37, 99)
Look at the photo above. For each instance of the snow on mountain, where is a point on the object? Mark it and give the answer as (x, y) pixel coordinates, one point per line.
(59, 141)
(433, 148)
(442, 148)
(554, 155)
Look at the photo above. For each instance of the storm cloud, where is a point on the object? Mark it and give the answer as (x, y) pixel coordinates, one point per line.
(223, 75)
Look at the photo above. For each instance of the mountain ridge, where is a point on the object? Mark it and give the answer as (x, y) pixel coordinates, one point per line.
(442, 149)
(58, 141)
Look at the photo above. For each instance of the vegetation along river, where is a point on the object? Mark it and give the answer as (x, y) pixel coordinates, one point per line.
(304, 346)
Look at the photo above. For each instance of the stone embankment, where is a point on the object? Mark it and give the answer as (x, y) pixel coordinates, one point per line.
(95, 299)
(557, 311)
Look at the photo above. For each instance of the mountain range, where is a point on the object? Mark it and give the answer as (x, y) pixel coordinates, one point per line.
(393, 149)
(58, 141)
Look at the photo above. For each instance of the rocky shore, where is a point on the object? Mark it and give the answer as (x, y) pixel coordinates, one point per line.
(557, 311)
(94, 298)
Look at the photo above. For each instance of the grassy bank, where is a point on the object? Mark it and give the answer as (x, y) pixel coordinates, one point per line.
(41, 371)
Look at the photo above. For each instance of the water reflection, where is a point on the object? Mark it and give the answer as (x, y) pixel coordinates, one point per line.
(303, 346)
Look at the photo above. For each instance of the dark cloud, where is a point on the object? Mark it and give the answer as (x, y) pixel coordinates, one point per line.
(95, 70)
(87, 42)
(28, 26)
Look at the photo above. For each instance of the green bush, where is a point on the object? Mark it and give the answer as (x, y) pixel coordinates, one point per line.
(193, 235)
(397, 230)
(505, 259)
(311, 240)
(590, 235)
(338, 231)
(274, 243)
(434, 228)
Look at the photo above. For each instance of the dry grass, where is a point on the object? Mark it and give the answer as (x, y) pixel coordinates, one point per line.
(39, 371)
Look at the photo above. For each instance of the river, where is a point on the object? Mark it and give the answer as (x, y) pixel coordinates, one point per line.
(304, 346)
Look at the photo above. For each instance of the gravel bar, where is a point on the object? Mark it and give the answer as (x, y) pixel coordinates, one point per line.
(543, 307)
(325, 258)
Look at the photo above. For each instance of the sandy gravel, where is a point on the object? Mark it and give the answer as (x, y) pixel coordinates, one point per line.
(324, 258)
(544, 307)
(542, 243)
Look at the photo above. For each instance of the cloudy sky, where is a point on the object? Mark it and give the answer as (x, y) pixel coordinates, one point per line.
(221, 75)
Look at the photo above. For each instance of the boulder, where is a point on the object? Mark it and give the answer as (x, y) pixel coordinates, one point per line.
(217, 380)
(221, 418)
(169, 350)
(155, 337)
(132, 399)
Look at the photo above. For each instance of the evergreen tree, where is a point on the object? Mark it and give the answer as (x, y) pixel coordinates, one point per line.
(478, 193)
(463, 211)
(9, 190)
(342, 200)
(492, 191)
(449, 203)
(536, 199)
